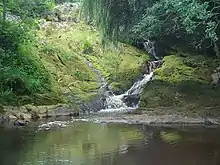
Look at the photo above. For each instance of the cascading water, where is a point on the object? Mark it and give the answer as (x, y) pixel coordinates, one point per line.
(116, 103)
(119, 103)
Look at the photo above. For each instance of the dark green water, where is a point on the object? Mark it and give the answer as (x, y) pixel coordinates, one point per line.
(84, 143)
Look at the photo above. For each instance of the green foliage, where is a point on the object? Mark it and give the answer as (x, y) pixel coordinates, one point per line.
(63, 1)
(29, 8)
(87, 47)
(22, 74)
(193, 23)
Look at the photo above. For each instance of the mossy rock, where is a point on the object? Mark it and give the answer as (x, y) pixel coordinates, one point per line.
(180, 82)
(122, 81)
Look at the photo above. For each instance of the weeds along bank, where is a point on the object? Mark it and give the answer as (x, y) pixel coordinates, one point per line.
(45, 66)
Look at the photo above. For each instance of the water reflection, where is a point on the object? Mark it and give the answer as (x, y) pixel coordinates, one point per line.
(100, 144)
(81, 143)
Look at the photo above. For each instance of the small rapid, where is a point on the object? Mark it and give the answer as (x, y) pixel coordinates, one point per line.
(129, 100)
(117, 103)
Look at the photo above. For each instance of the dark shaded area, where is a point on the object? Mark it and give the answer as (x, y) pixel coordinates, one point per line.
(12, 142)
(131, 100)
(193, 148)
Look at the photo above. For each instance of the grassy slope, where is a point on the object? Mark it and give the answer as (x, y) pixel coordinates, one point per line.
(62, 57)
(183, 82)
(23, 78)
(52, 67)
(122, 68)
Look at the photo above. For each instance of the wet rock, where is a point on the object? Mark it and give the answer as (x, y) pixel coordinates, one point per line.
(1, 108)
(12, 117)
(29, 108)
(21, 116)
(54, 124)
(150, 66)
(4, 119)
(74, 114)
(131, 100)
(94, 105)
(61, 110)
(20, 123)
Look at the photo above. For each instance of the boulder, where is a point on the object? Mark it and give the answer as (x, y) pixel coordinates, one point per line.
(66, 12)
(216, 76)
(20, 123)
(131, 100)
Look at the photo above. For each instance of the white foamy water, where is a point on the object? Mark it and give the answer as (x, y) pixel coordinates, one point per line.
(115, 103)
(138, 86)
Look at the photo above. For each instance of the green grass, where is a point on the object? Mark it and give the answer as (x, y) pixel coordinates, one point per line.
(62, 57)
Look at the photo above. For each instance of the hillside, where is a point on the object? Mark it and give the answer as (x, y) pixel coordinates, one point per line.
(59, 50)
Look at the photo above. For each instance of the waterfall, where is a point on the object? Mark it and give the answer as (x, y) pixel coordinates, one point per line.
(129, 100)
(117, 103)
(137, 87)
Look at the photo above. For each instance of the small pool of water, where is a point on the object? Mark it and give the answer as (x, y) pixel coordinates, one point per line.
(84, 143)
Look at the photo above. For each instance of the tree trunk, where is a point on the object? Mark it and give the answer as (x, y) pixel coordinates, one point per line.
(216, 49)
(3, 14)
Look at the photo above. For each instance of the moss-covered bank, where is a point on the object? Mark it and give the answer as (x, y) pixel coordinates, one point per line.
(183, 82)
(51, 69)
(120, 68)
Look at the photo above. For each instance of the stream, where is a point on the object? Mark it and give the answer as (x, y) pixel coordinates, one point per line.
(127, 101)
(85, 143)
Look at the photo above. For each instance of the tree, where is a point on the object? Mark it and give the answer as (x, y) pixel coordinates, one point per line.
(3, 14)
(193, 23)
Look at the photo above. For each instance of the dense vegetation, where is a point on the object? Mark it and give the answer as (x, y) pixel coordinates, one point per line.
(175, 23)
(21, 73)
(41, 49)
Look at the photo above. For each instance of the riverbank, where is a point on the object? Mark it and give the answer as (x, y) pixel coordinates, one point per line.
(159, 120)
(168, 117)
(30, 113)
